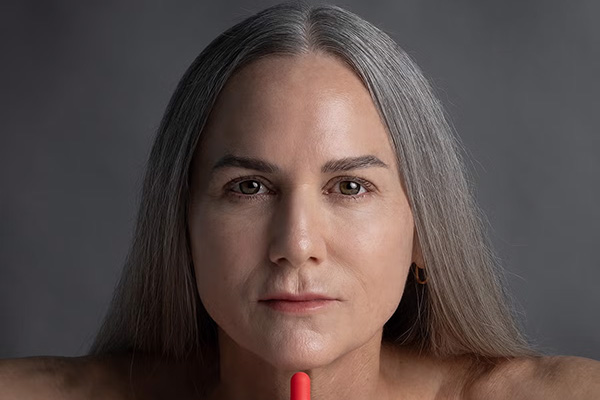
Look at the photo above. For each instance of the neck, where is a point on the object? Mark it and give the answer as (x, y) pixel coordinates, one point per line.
(357, 374)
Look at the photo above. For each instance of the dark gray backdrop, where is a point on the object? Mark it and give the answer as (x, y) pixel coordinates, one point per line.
(84, 86)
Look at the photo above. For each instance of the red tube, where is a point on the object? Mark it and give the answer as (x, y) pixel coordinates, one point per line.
(300, 386)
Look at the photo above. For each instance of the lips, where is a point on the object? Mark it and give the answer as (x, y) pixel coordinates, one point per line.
(301, 307)
(296, 297)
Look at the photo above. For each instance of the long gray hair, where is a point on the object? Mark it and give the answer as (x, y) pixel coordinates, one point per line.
(462, 309)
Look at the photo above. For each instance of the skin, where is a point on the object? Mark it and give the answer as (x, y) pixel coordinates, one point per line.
(107, 377)
(300, 230)
(298, 113)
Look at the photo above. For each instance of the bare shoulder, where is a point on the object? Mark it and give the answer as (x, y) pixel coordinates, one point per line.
(38, 377)
(554, 377)
(52, 377)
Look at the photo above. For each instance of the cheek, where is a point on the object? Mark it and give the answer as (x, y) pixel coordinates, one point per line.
(381, 248)
(224, 256)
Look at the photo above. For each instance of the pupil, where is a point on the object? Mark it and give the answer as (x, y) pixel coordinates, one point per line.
(251, 185)
(352, 186)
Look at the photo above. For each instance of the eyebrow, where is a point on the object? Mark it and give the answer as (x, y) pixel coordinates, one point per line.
(257, 164)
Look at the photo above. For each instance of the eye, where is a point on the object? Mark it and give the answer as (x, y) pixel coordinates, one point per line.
(353, 187)
(350, 187)
(250, 187)
(246, 187)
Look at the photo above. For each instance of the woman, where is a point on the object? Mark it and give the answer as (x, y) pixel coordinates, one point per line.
(306, 209)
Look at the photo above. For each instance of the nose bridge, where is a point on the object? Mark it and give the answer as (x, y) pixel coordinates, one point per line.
(297, 236)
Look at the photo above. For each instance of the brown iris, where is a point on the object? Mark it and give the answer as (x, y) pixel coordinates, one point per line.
(252, 187)
(350, 186)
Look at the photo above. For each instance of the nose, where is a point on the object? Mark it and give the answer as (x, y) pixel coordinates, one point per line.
(298, 230)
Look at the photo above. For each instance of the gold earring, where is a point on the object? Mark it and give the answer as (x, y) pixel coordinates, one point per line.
(416, 269)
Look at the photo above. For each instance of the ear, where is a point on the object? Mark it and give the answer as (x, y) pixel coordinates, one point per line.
(417, 253)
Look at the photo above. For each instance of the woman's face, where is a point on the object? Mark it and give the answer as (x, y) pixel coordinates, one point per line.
(279, 206)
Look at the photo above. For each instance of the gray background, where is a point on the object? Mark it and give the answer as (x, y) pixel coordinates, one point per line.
(84, 86)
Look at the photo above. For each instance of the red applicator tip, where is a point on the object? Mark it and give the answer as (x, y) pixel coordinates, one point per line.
(300, 386)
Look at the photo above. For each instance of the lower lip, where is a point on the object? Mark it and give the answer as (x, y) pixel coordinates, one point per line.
(297, 306)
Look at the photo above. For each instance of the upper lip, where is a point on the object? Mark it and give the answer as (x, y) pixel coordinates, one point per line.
(296, 296)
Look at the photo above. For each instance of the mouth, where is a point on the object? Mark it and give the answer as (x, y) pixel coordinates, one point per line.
(298, 306)
(296, 297)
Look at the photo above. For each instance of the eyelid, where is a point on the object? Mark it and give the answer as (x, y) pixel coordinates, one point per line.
(367, 185)
(232, 183)
(363, 182)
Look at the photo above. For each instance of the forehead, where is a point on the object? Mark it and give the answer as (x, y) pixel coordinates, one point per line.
(294, 108)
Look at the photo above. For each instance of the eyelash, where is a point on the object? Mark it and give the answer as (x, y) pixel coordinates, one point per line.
(364, 183)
